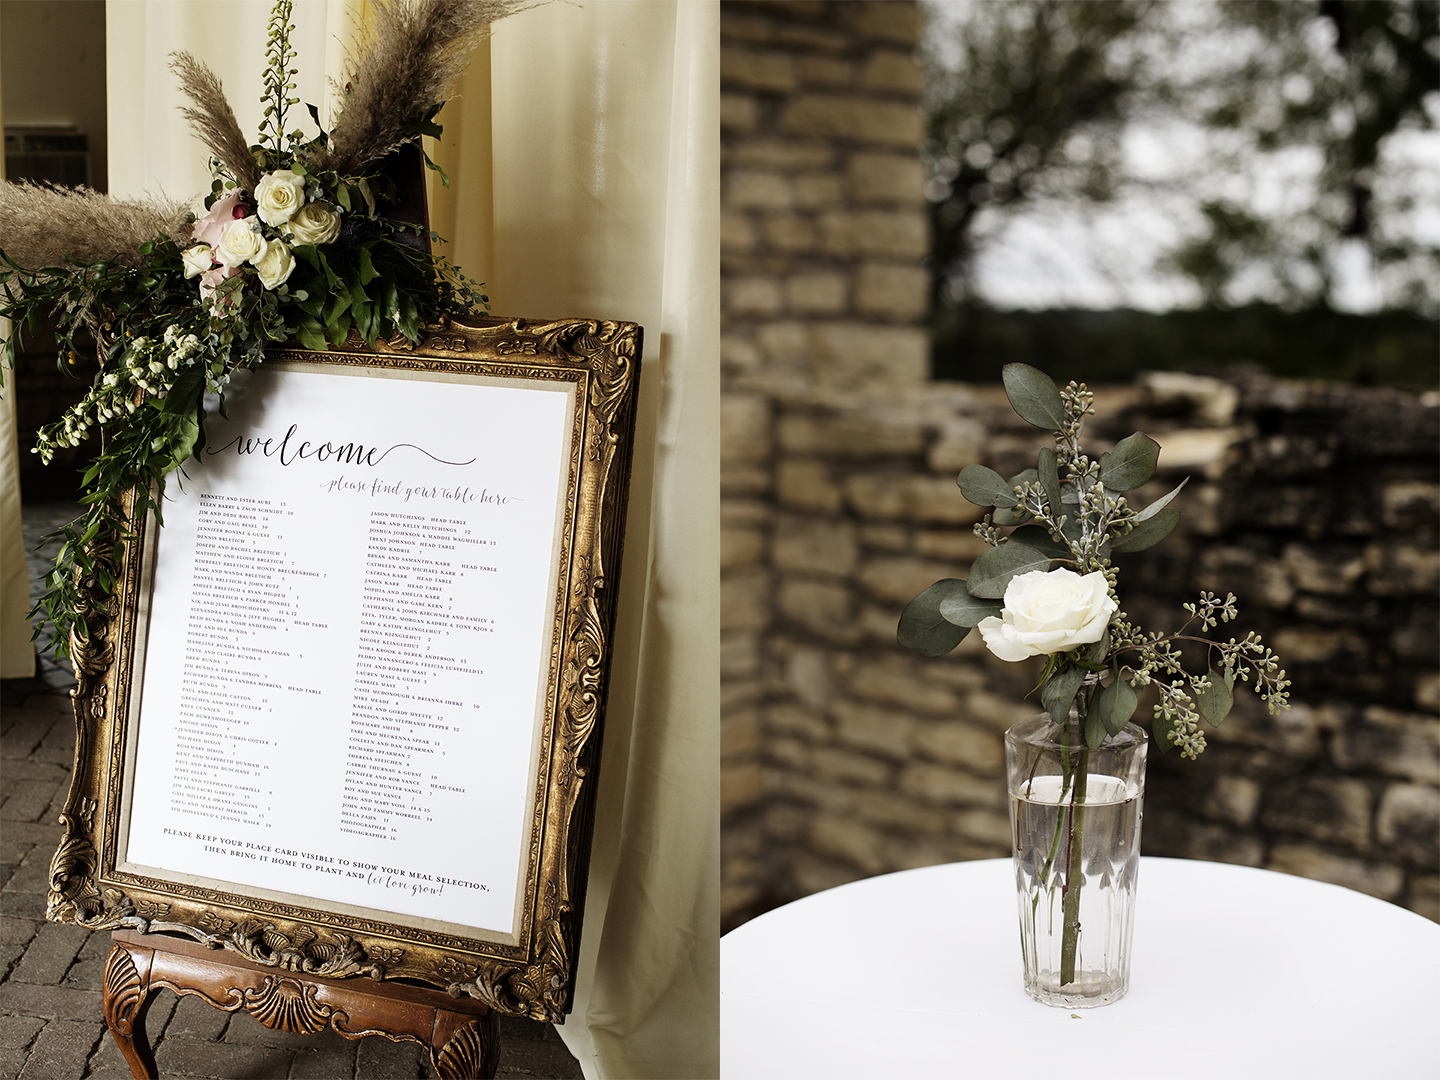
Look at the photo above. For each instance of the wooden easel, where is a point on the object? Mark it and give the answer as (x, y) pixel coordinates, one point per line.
(462, 1034)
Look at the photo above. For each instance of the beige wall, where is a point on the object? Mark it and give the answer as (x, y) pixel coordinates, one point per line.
(52, 54)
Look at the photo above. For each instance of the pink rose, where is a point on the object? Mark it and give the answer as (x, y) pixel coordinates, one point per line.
(210, 281)
(208, 225)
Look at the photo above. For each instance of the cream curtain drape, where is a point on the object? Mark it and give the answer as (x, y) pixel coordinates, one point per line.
(584, 159)
(17, 656)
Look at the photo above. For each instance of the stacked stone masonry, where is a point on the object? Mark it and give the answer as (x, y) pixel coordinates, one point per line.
(823, 221)
(844, 756)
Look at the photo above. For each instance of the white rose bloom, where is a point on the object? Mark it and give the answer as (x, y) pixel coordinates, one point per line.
(196, 259)
(274, 264)
(313, 224)
(279, 196)
(1049, 613)
(239, 243)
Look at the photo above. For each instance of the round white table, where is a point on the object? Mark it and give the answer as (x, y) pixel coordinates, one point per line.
(1236, 973)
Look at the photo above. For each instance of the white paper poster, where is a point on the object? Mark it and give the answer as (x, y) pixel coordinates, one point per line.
(349, 635)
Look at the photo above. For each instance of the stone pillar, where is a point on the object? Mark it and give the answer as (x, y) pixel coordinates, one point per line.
(823, 233)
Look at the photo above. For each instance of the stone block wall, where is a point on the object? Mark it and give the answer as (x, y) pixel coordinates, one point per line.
(1318, 506)
(843, 755)
(823, 233)
(823, 223)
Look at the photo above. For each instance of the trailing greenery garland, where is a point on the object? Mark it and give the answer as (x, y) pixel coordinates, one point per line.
(305, 253)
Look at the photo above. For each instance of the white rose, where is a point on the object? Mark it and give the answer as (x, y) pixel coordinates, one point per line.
(278, 196)
(274, 264)
(240, 242)
(313, 224)
(1049, 613)
(197, 260)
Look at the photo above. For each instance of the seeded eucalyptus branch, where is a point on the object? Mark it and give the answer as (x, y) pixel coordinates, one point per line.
(1070, 515)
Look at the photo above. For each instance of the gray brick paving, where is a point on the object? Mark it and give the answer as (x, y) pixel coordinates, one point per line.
(50, 953)
(324, 1064)
(61, 1050)
(11, 1062)
(51, 1025)
(17, 1032)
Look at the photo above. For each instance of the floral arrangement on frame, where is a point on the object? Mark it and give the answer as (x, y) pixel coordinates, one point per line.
(293, 242)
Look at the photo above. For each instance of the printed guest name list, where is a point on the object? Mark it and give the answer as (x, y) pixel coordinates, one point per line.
(346, 655)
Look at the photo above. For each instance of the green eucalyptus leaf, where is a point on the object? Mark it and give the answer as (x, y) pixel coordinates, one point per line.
(1037, 538)
(1034, 396)
(1148, 533)
(1215, 702)
(1058, 693)
(1029, 476)
(962, 609)
(1011, 516)
(923, 629)
(1161, 733)
(985, 487)
(1130, 464)
(992, 571)
(1094, 728)
(1093, 655)
(1160, 503)
(1114, 704)
(1049, 473)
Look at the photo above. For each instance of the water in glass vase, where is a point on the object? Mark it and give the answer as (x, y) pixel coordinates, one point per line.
(1108, 823)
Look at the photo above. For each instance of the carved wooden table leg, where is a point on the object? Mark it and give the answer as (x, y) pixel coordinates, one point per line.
(465, 1046)
(126, 999)
(462, 1035)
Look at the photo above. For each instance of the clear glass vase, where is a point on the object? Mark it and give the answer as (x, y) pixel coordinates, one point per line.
(1075, 824)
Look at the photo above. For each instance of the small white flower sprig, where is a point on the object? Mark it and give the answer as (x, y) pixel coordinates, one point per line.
(1073, 510)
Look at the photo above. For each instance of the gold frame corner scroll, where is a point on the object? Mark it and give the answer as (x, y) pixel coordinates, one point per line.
(114, 869)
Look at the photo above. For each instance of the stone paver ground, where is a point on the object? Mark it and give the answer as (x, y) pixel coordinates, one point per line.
(51, 1027)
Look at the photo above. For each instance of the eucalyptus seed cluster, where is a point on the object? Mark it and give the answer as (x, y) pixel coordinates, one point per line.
(1184, 702)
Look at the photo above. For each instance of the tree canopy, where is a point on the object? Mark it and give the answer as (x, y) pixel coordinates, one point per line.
(1299, 159)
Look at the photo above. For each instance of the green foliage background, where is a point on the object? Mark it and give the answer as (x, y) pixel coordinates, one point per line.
(1394, 348)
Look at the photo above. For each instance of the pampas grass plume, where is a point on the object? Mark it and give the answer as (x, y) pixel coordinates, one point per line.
(407, 62)
(41, 225)
(213, 121)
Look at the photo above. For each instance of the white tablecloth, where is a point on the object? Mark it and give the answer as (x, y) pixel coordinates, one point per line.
(1236, 972)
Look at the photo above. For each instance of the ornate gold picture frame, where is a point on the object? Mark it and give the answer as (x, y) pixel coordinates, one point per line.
(360, 810)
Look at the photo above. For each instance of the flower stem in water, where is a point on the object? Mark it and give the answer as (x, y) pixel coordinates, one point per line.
(1070, 941)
